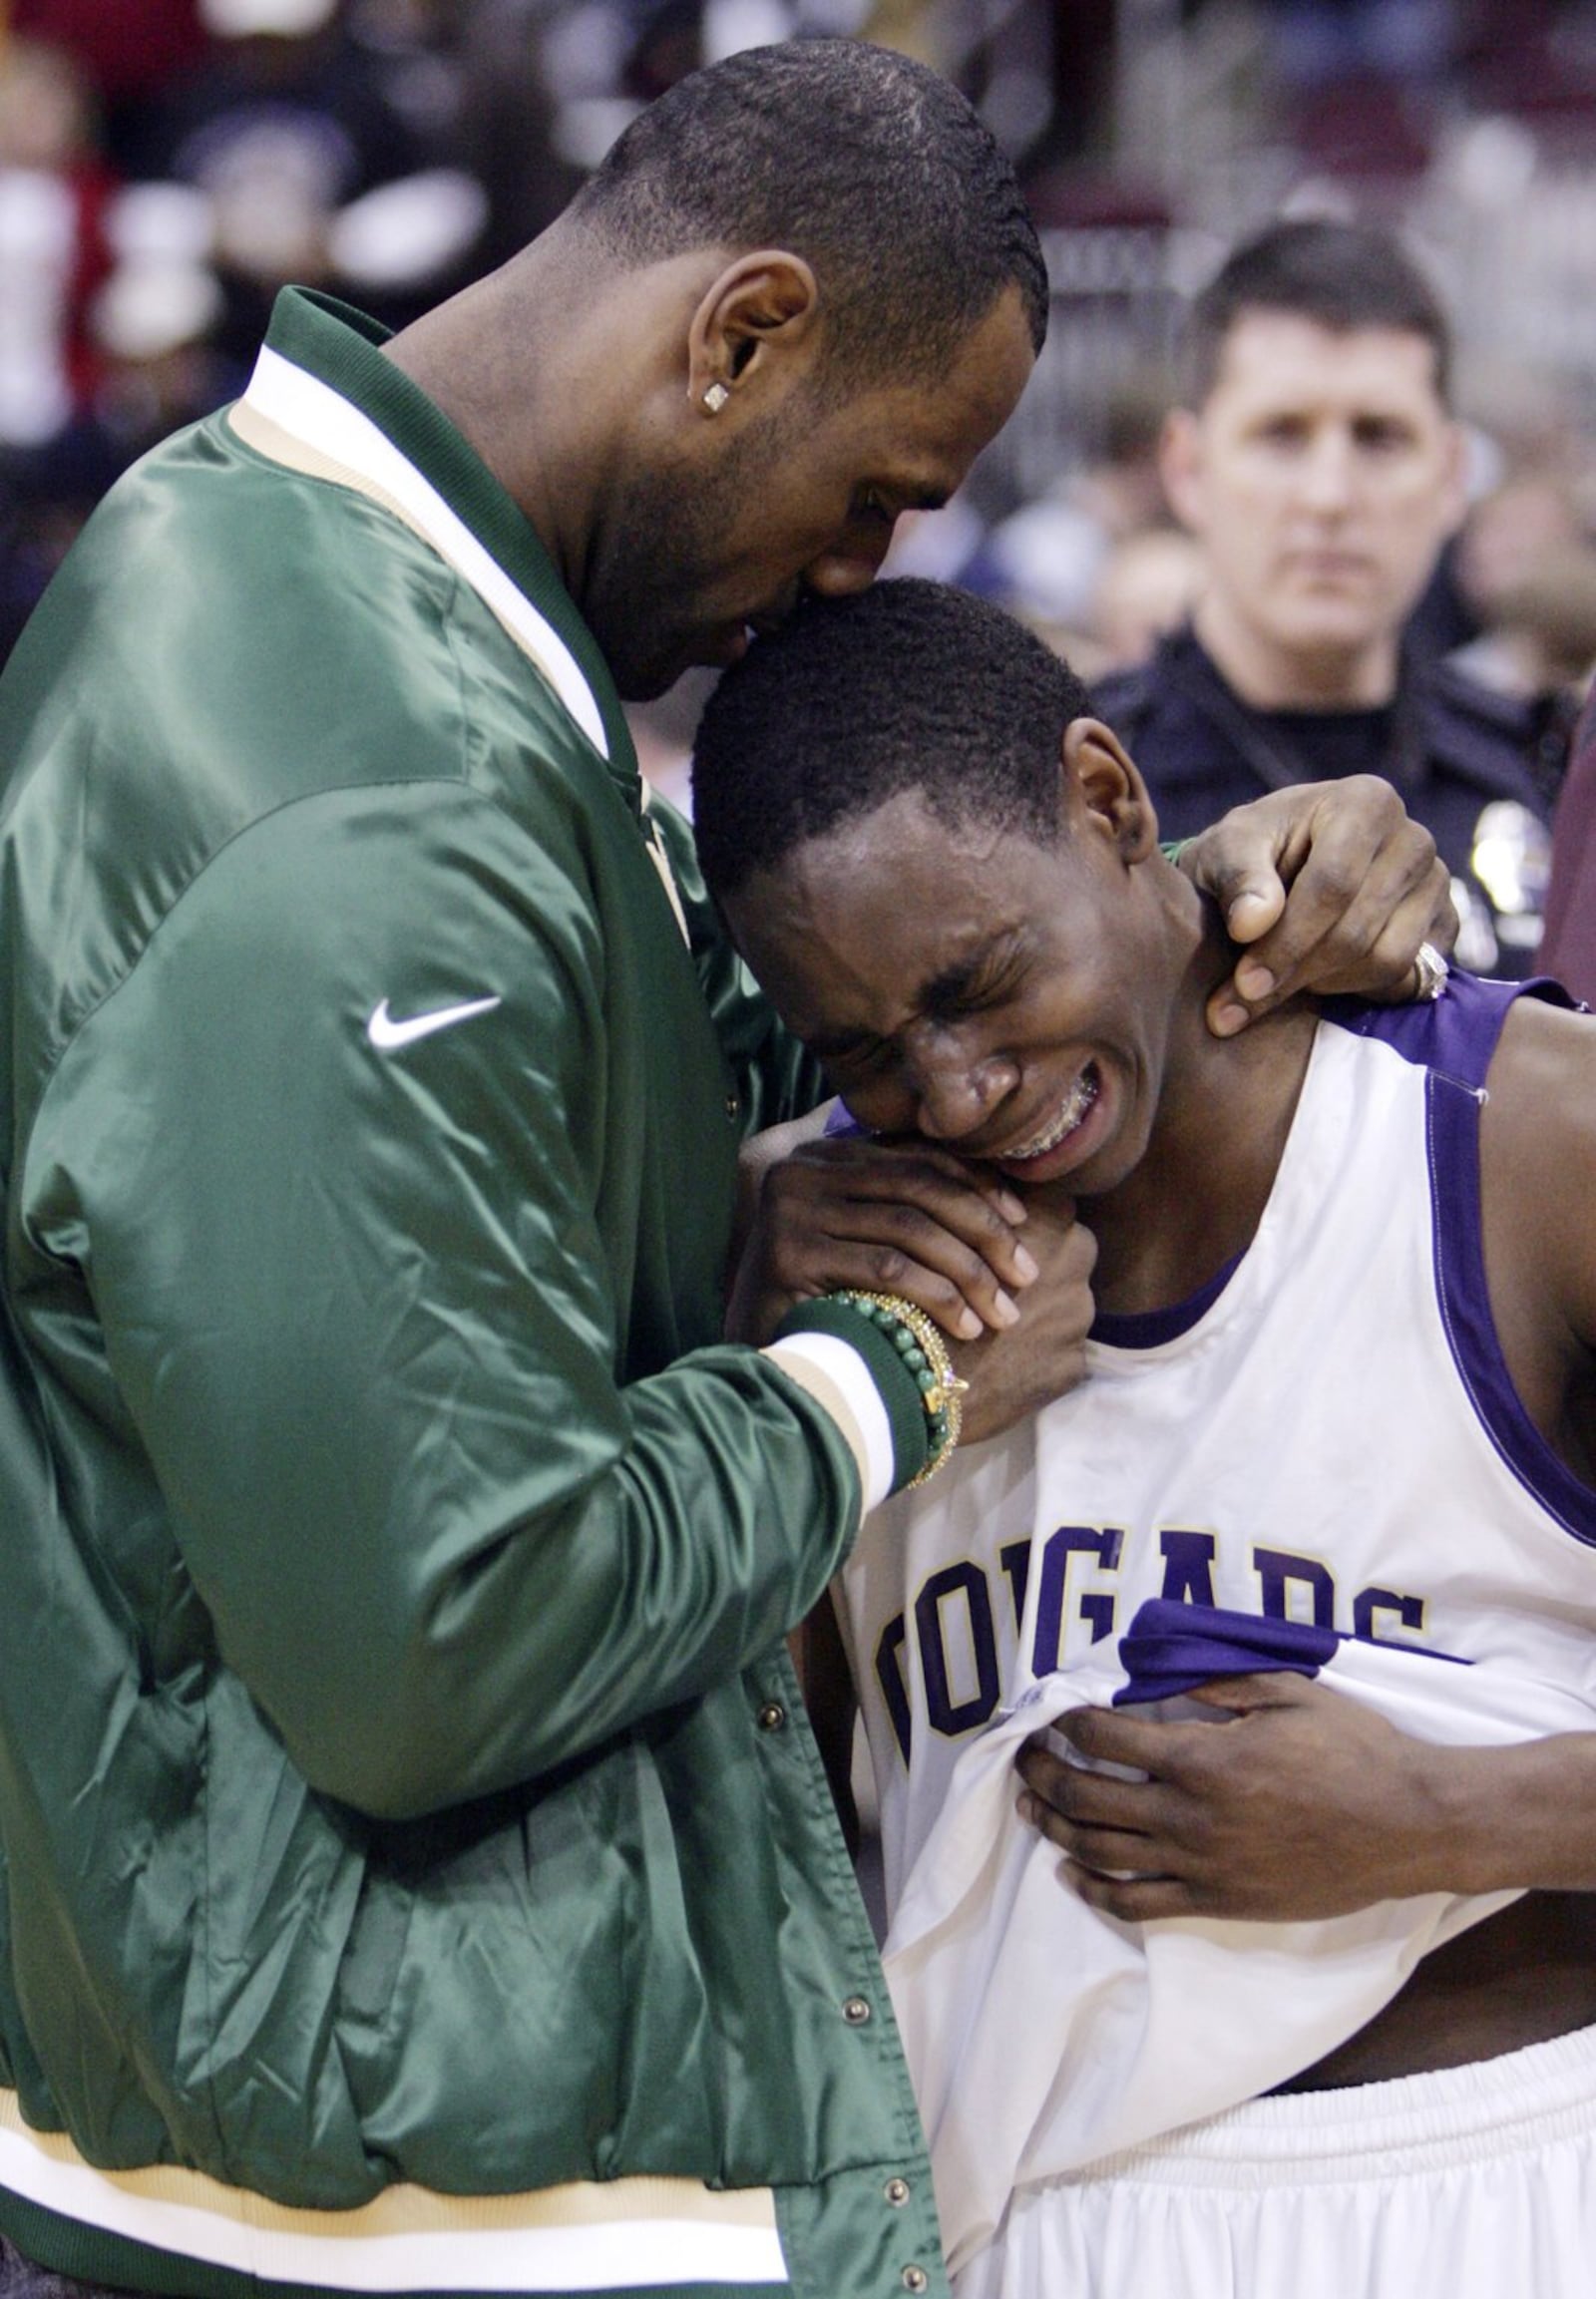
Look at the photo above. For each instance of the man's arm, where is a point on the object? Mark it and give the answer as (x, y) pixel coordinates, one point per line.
(368, 1301)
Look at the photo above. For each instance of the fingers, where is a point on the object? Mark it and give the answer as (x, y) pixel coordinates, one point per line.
(1238, 862)
(1120, 1838)
(975, 1206)
(1367, 890)
(1339, 936)
(1178, 1817)
(1131, 1761)
(864, 1215)
(1444, 923)
(1118, 1869)
(1100, 1851)
(885, 1168)
(1015, 1373)
(1136, 1899)
(955, 1289)
(947, 1247)
(1080, 1795)
(1390, 972)
(1145, 1745)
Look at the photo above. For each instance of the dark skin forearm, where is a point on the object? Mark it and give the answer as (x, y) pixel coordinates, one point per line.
(1221, 1827)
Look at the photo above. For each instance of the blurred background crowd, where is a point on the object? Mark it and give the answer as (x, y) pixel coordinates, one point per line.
(166, 163)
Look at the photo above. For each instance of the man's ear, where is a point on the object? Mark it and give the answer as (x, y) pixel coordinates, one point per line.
(758, 314)
(1101, 779)
(1180, 464)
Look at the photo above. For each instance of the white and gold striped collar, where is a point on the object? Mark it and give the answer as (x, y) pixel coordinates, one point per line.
(294, 418)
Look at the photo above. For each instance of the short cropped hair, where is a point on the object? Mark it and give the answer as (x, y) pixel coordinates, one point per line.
(1340, 275)
(908, 687)
(869, 165)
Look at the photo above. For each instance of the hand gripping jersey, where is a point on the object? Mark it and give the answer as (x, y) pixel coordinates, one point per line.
(1326, 1441)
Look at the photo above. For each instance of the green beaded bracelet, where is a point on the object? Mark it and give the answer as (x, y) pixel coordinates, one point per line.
(924, 1351)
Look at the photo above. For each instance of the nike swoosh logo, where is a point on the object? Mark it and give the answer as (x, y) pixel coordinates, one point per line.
(388, 1035)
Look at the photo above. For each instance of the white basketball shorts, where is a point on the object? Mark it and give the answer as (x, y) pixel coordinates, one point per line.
(1473, 2182)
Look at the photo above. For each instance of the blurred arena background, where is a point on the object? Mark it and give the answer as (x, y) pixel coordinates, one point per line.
(165, 164)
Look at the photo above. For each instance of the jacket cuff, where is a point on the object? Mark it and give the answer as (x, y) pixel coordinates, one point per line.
(876, 1374)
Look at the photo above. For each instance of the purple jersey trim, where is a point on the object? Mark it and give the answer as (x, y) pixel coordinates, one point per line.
(1453, 1125)
(1456, 1033)
(1454, 1038)
(1172, 1648)
(1147, 1328)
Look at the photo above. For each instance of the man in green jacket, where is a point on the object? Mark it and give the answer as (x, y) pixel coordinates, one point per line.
(417, 1873)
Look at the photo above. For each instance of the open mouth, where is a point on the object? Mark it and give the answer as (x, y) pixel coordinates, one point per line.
(1071, 1114)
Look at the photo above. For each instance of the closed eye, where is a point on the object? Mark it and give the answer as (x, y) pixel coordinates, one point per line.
(996, 979)
(856, 1057)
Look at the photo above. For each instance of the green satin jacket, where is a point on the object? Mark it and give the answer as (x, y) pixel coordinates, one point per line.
(402, 1778)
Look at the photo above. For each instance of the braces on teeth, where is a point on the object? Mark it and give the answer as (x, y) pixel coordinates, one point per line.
(1082, 1096)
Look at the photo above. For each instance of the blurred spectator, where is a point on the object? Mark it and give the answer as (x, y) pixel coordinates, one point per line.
(1046, 560)
(1539, 639)
(945, 545)
(1508, 533)
(315, 170)
(53, 188)
(1320, 43)
(128, 51)
(507, 123)
(1360, 79)
(1315, 459)
(154, 322)
(151, 323)
(663, 731)
(1569, 949)
(1529, 485)
(53, 191)
(1525, 572)
(1147, 587)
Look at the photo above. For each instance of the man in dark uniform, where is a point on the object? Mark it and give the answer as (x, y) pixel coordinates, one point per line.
(1314, 457)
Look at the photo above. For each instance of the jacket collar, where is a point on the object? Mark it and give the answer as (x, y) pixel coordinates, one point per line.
(321, 378)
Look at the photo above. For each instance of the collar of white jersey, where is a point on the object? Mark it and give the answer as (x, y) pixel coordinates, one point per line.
(321, 378)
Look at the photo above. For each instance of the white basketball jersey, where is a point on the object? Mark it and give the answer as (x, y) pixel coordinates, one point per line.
(1331, 1438)
(1327, 1437)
